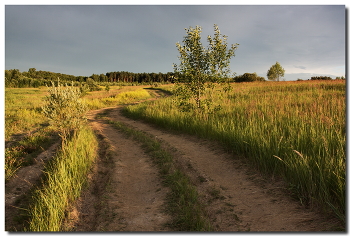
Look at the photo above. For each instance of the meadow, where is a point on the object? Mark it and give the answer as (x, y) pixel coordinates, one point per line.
(28, 130)
(290, 130)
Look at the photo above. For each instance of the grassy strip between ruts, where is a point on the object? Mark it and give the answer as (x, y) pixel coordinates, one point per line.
(65, 176)
(183, 200)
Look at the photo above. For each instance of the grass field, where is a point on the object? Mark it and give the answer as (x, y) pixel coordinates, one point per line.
(290, 130)
(26, 124)
(295, 130)
(22, 109)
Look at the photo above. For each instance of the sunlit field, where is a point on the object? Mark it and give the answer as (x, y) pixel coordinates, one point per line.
(29, 128)
(115, 96)
(22, 109)
(293, 130)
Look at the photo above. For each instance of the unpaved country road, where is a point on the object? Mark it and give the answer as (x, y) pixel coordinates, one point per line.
(127, 194)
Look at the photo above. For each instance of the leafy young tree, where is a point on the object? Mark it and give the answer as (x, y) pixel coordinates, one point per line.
(275, 72)
(201, 66)
(65, 109)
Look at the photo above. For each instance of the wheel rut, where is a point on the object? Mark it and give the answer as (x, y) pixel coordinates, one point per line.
(125, 192)
(236, 198)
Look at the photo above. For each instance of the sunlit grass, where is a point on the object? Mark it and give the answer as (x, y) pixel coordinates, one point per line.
(65, 177)
(116, 97)
(291, 129)
(22, 109)
(23, 152)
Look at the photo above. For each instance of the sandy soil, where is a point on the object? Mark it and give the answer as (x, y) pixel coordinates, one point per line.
(125, 192)
(237, 198)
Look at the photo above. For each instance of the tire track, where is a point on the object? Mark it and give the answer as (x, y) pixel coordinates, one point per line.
(237, 198)
(126, 192)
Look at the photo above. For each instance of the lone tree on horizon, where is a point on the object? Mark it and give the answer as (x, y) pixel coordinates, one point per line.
(275, 72)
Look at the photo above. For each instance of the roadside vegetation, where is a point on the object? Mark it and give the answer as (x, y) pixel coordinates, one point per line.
(56, 112)
(65, 177)
(294, 130)
(26, 131)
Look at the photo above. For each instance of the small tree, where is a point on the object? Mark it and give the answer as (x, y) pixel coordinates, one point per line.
(275, 72)
(65, 109)
(200, 66)
(107, 88)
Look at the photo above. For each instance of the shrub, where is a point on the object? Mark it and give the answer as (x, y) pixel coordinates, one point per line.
(65, 109)
(248, 77)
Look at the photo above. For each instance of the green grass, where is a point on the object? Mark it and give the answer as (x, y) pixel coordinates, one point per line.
(23, 152)
(183, 200)
(23, 116)
(99, 100)
(291, 129)
(65, 177)
(23, 110)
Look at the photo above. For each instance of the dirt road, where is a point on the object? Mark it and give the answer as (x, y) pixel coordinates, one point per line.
(126, 193)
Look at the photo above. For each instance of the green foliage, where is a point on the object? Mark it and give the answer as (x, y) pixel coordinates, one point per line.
(65, 109)
(33, 78)
(92, 86)
(107, 88)
(321, 78)
(342, 78)
(200, 67)
(248, 77)
(275, 72)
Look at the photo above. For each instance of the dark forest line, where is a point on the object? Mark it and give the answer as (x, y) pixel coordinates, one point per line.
(33, 78)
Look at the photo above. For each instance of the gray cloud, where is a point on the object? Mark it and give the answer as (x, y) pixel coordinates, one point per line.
(82, 40)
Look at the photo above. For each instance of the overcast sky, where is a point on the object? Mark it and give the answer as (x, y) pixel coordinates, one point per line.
(85, 40)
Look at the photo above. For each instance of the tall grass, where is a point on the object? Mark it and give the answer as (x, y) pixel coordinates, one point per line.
(65, 176)
(24, 152)
(291, 129)
(22, 109)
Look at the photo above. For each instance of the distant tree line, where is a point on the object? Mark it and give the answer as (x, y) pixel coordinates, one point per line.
(129, 77)
(326, 78)
(33, 78)
(321, 78)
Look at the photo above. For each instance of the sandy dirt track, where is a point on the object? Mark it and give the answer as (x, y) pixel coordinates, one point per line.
(236, 197)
